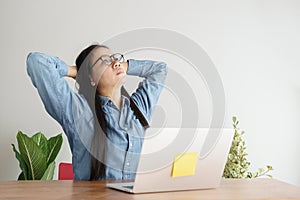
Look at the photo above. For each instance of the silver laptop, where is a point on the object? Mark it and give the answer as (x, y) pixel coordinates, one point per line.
(172, 159)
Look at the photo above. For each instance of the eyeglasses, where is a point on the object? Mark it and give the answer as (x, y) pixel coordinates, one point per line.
(107, 60)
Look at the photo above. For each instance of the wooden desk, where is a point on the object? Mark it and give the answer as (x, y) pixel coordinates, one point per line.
(229, 189)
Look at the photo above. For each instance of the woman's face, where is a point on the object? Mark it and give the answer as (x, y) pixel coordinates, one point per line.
(107, 74)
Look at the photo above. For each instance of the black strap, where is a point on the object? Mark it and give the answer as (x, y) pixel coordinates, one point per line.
(136, 110)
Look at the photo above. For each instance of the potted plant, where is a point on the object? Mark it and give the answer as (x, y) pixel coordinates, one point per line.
(237, 163)
(37, 155)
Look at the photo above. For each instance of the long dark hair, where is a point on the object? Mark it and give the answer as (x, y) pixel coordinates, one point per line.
(83, 63)
(98, 147)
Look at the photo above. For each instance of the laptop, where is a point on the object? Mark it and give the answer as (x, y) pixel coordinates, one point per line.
(172, 159)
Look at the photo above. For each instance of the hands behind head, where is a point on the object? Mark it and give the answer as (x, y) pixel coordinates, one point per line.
(72, 71)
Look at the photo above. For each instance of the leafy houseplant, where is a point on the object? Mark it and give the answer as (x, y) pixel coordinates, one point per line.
(237, 163)
(37, 155)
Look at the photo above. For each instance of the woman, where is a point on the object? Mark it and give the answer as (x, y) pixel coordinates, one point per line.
(104, 126)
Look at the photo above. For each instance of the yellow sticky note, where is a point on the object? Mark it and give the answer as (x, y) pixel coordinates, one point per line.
(184, 164)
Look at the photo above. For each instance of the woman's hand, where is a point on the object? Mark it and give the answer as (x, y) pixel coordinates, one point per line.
(125, 65)
(72, 71)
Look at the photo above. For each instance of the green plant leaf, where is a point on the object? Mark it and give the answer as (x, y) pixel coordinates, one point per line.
(269, 167)
(48, 175)
(54, 145)
(234, 119)
(21, 177)
(261, 170)
(22, 163)
(249, 175)
(33, 156)
(41, 141)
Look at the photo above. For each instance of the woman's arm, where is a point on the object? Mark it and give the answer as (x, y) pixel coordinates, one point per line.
(148, 91)
(47, 74)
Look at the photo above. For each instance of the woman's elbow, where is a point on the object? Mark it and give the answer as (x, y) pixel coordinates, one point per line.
(164, 68)
(162, 72)
(32, 61)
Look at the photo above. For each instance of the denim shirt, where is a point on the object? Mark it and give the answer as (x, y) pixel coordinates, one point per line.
(71, 110)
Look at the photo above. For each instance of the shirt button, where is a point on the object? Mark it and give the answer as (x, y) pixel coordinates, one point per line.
(127, 163)
(125, 128)
(130, 144)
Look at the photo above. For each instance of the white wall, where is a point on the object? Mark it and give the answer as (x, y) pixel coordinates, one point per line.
(254, 45)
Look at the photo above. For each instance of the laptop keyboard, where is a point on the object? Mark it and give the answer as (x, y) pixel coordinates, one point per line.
(128, 186)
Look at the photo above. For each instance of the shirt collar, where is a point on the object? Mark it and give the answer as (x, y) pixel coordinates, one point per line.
(105, 100)
(125, 100)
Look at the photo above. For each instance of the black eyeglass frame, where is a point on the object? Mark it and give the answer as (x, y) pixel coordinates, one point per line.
(112, 57)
